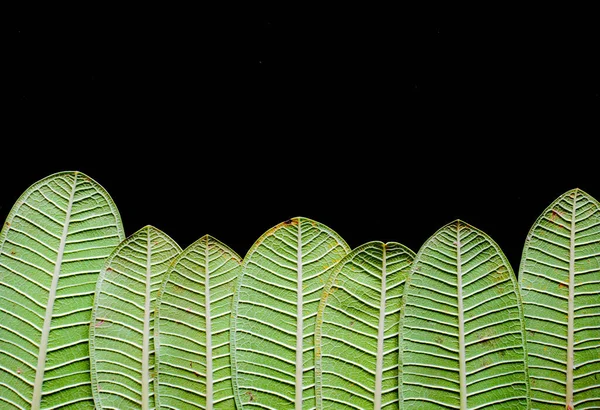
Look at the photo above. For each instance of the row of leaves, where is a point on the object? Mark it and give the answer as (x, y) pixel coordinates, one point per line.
(91, 318)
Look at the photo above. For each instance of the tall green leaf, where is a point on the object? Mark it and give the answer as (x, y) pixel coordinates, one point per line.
(192, 329)
(560, 282)
(121, 332)
(357, 325)
(462, 334)
(274, 311)
(52, 248)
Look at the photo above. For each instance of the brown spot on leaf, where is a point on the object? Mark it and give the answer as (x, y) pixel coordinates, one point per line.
(250, 395)
(498, 275)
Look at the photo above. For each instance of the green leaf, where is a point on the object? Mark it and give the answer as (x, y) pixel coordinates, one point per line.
(357, 325)
(559, 278)
(192, 329)
(274, 311)
(462, 332)
(122, 328)
(52, 248)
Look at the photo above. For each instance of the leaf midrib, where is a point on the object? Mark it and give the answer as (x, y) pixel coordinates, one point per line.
(380, 334)
(208, 325)
(299, 322)
(571, 310)
(462, 372)
(43, 349)
(146, 334)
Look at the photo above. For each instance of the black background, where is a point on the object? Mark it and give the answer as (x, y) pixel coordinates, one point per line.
(382, 122)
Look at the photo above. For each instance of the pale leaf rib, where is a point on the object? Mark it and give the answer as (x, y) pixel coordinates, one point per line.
(361, 366)
(434, 310)
(20, 348)
(437, 278)
(264, 282)
(268, 296)
(420, 399)
(548, 344)
(432, 343)
(432, 386)
(431, 354)
(16, 375)
(348, 328)
(547, 254)
(29, 250)
(433, 290)
(551, 242)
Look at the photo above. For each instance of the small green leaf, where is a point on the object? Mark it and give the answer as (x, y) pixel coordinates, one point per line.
(192, 329)
(122, 328)
(356, 336)
(52, 247)
(274, 311)
(559, 278)
(462, 333)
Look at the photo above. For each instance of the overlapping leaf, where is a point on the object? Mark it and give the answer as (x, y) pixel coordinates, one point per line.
(357, 325)
(275, 307)
(52, 247)
(122, 329)
(192, 330)
(462, 332)
(560, 284)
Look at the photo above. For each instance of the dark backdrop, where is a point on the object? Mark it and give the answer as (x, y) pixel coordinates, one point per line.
(384, 123)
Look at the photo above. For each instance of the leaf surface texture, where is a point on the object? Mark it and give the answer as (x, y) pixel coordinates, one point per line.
(357, 329)
(275, 307)
(122, 329)
(193, 328)
(52, 247)
(560, 283)
(462, 332)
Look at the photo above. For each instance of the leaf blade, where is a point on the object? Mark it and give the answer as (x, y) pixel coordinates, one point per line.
(274, 312)
(194, 306)
(558, 277)
(482, 366)
(53, 245)
(367, 288)
(121, 331)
